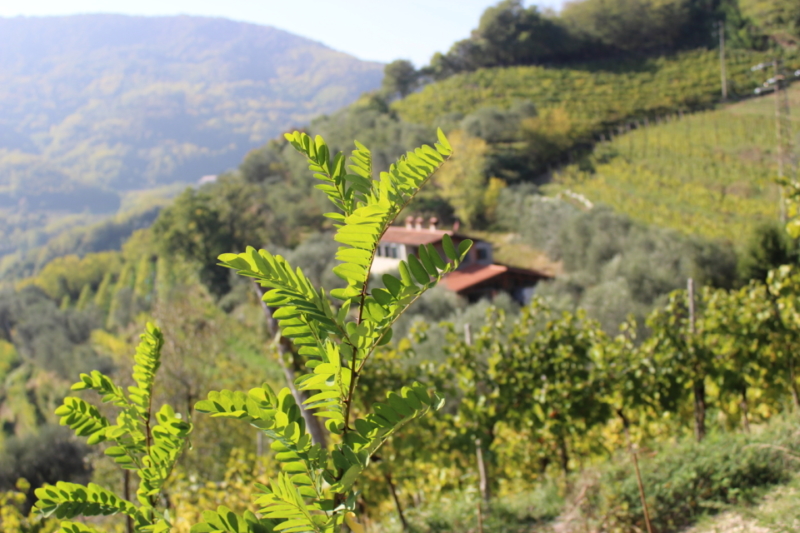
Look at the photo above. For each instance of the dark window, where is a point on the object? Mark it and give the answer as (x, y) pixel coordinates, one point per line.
(483, 253)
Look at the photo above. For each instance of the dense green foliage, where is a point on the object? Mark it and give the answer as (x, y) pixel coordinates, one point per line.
(315, 490)
(687, 481)
(768, 248)
(779, 20)
(146, 441)
(509, 34)
(612, 265)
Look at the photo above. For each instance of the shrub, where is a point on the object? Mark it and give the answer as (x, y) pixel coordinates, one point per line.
(687, 481)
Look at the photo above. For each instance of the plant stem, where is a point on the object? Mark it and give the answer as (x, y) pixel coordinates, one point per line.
(126, 493)
(745, 421)
(564, 453)
(312, 422)
(699, 385)
(486, 494)
(396, 499)
(634, 456)
(699, 388)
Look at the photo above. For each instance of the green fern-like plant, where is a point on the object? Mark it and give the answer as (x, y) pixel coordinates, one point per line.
(314, 492)
(145, 442)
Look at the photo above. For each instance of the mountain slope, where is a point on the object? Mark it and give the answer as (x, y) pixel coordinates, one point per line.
(132, 102)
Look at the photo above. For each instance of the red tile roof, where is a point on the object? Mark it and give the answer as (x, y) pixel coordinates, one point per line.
(472, 275)
(414, 237)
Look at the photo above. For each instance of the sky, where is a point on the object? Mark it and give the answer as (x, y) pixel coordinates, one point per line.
(390, 29)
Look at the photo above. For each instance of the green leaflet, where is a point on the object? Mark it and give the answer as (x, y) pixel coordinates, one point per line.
(283, 503)
(332, 382)
(147, 360)
(150, 447)
(304, 313)
(169, 439)
(280, 418)
(103, 385)
(68, 500)
(314, 489)
(223, 520)
(84, 419)
(354, 454)
(76, 527)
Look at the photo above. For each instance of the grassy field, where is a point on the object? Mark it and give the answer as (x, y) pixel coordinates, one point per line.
(710, 173)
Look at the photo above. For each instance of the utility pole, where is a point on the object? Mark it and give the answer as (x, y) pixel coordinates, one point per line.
(699, 385)
(787, 125)
(783, 133)
(723, 74)
(778, 122)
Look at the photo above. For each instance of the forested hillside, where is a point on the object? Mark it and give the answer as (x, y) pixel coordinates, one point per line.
(133, 102)
(93, 106)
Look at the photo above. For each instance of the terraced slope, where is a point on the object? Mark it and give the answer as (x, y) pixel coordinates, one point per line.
(709, 173)
(594, 95)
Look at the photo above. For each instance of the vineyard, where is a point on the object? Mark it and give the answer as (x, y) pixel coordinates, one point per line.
(230, 359)
(594, 95)
(710, 173)
(547, 416)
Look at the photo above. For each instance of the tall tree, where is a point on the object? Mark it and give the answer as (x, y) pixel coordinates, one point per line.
(508, 34)
(463, 182)
(633, 25)
(777, 19)
(400, 78)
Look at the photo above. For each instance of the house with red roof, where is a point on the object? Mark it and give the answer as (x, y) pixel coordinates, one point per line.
(477, 277)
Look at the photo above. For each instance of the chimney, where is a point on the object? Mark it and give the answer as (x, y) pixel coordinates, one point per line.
(418, 222)
(433, 221)
(409, 222)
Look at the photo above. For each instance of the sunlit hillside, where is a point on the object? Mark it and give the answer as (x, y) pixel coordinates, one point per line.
(131, 102)
(710, 173)
(95, 105)
(592, 95)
